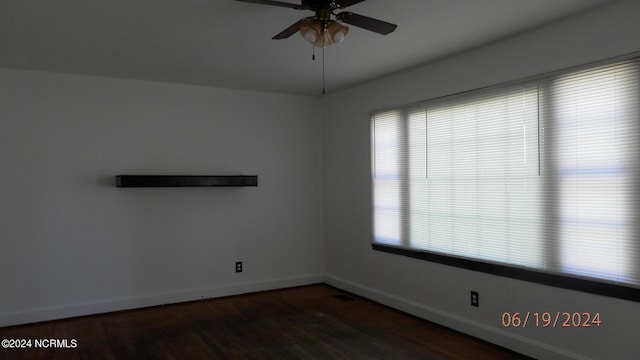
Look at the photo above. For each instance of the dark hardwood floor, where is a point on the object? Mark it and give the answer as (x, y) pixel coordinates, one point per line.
(309, 322)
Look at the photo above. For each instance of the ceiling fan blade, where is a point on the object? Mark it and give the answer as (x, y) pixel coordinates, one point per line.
(275, 3)
(365, 22)
(341, 4)
(291, 29)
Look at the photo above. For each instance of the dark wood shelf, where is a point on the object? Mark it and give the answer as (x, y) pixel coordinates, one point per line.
(185, 180)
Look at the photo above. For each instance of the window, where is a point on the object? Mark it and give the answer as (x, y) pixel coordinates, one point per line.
(537, 180)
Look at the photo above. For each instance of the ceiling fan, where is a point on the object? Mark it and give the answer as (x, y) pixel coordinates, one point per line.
(323, 29)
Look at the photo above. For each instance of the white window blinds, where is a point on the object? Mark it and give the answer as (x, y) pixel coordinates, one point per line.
(541, 175)
(591, 179)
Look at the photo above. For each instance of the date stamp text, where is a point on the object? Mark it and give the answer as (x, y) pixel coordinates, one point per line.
(545, 319)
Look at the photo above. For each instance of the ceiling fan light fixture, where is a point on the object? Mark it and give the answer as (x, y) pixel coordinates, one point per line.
(322, 37)
(337, 31)
(308, 33)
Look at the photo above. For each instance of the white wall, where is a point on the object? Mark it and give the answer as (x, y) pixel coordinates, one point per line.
(71, 243)
(441, 293)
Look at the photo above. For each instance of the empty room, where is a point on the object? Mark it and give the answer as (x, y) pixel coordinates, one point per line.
(309, 179)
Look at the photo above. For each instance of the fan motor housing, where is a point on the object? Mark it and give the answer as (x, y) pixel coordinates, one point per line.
(317, 5)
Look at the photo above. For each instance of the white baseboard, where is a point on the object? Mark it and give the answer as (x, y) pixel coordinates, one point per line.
(493, 335)
(134, 302)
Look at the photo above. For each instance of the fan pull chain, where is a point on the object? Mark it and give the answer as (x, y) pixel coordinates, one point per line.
(323, 81)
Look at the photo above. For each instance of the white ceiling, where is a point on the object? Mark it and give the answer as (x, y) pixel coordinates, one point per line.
(225, 43)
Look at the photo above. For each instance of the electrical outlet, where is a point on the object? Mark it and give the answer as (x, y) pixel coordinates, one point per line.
(238, 266)
(475, 299)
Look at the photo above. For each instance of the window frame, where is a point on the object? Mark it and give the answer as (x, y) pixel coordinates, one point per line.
(572, 282)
